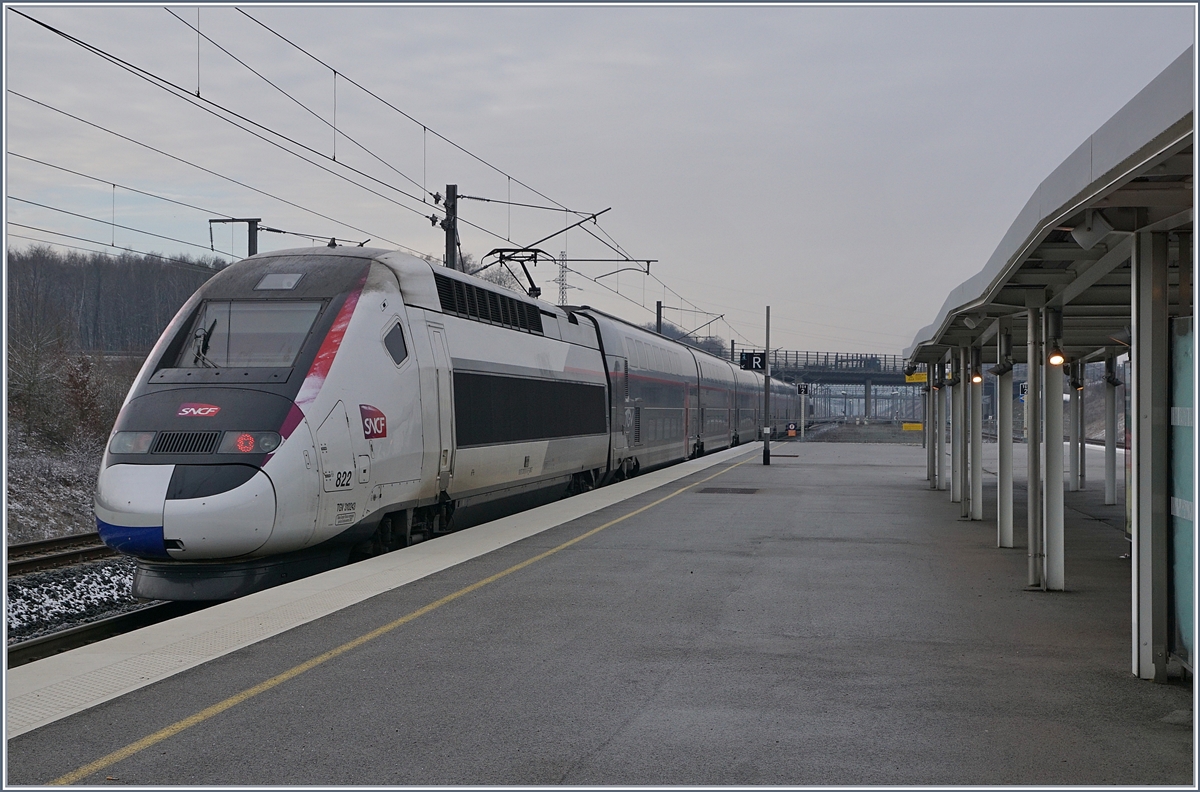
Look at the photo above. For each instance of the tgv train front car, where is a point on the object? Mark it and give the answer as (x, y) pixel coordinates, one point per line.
(211, 478)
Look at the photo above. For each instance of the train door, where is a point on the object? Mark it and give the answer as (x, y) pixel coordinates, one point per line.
(445, 405)
(391, 423)
(336, 459)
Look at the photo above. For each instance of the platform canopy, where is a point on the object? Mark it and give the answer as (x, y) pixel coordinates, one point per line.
(1070, 246)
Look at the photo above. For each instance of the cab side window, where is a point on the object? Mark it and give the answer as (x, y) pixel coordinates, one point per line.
(394, 341)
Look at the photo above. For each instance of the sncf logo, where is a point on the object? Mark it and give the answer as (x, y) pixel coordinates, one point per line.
(374, 422)
(191, 410)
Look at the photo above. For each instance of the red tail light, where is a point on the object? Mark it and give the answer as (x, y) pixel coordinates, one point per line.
(249, 443)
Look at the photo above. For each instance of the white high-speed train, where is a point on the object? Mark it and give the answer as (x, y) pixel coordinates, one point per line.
(306, 406)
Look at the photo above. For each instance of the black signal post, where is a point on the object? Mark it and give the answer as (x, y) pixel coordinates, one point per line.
(767, 394)
(450, 226)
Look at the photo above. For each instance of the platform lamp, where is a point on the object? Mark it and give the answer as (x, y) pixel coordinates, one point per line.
(1005, 364)
(1054, 334)
(955, 375)
(976, 365)
(1076, 380)
(1110, 372)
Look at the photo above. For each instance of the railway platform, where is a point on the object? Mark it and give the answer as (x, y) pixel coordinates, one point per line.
(826, 620)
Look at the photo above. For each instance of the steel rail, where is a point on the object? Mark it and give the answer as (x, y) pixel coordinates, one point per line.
(50, 553)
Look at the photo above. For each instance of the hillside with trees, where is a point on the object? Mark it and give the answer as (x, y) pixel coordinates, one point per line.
(79, 326)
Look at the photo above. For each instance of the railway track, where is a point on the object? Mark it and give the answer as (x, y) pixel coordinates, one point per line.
(72, 638)
(51, 553)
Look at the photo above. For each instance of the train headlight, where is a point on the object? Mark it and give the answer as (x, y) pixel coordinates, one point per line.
(248, 443)
(131, 442)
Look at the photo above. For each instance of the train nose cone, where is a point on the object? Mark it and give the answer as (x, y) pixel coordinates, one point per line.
(129, 508)
(217, 511)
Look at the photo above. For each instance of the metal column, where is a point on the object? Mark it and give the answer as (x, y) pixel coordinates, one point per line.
(1073, 433)
(962, 389)
(956, 427)
(1150, 358)
(1082, 416)
(943, 480)
(1052, 421)
(1004, 440)
(930, 428)
(1110, 431)
(1034, 466)
(976, 467)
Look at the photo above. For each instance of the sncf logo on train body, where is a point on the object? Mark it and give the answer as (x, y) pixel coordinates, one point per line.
(374, 422)
(191, 410)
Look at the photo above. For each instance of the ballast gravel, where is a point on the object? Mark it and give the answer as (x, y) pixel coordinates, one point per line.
(56, 599)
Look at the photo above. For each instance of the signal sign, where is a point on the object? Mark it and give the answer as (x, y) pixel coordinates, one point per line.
(754, 361)
(802, 389)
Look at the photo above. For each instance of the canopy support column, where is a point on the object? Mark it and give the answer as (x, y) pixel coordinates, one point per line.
(1004, 441)
(976, 466)
(956, 426)
(930, 428)
(1033, 422)
(1150, 357)
(1073, 433)
(1053, 475)
(1082, 414)
(1110, 430)
(943, 479)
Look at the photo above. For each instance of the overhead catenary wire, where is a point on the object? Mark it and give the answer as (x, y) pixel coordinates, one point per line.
(603, 236)
(380, 99)
(312, 112)
(122, 186)
(116, 225)
(427, 130)
(212, 107)
(211, 172)
(156, 196)
(181, 93)
(177, 262)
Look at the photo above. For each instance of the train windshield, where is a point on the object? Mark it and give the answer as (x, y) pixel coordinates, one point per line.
(240, 334)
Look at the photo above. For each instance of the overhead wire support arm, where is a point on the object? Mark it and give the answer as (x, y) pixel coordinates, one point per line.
(692, 310)
(701, 327)
(623, 269)
(591, 217)
(251, 231)
(516, 203)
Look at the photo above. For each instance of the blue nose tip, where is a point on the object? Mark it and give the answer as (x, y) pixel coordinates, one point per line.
(141, 542)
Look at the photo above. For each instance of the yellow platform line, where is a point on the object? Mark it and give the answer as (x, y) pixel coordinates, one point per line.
(105, 762)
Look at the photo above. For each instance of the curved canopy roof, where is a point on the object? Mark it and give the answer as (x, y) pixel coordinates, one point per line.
(1072, 241)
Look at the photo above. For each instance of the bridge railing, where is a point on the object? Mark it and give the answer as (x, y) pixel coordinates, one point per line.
(836, 361)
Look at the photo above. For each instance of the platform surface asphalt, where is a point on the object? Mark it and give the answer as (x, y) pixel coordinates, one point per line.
(837, 626)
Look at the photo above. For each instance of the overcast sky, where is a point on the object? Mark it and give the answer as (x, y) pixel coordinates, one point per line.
(846, 165)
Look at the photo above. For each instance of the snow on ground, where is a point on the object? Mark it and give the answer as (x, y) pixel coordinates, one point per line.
(49, 494)
(55, 599)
